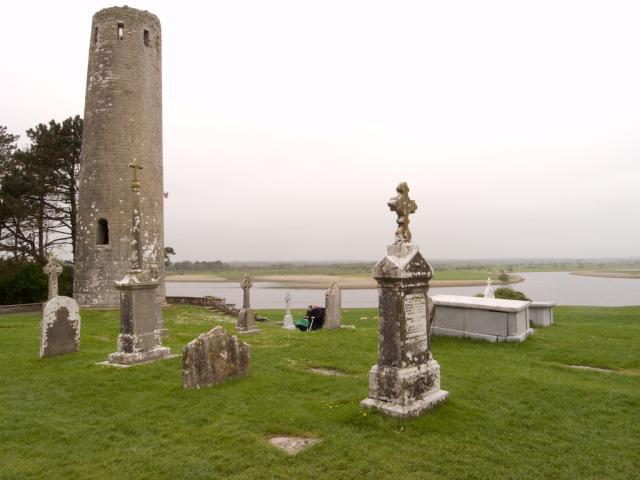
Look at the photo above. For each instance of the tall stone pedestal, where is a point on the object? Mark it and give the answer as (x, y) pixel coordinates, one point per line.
(140, 338)
(406, 379)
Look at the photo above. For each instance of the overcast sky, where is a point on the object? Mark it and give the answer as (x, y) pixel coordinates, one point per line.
(288, 124)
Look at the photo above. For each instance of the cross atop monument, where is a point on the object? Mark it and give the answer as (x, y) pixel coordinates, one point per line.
(134, 165)
(403, 206)
(52, 269)
(246, 282)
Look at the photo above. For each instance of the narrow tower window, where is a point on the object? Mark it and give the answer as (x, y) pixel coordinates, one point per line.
(120, 31)
(102, 237)
(95, 35)
(146, 38)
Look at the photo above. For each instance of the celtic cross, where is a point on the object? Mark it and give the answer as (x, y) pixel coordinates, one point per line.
(403, 206)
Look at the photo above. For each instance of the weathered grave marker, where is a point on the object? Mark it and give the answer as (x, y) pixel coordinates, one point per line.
(214, 357)
(247, 318)
(60, 327)
(333, 307)
(406, 379)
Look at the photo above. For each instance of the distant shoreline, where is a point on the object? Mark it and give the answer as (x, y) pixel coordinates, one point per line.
(633, 274)
(320, 282)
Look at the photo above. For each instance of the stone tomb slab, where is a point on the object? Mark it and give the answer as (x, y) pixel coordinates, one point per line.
(489, 319)
(293, 445)
(541, 313)
(59, 327)
(107, 363)
(327, 372)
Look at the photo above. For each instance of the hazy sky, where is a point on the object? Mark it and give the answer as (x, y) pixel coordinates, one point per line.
(288, 124)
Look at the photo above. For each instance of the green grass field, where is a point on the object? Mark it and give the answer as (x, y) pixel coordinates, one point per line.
(515, 410)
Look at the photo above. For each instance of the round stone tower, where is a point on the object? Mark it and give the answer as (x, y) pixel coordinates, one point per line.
(122, 124)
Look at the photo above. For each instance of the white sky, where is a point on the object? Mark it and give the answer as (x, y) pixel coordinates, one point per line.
(288, 124)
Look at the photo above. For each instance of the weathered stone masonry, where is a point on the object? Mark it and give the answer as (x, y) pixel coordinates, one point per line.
(122, 123)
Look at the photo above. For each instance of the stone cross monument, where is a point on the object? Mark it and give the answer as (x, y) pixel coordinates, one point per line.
(406, 379)
(140, 338)
(488, 292)
(246, 319)
(52, 269)
(288, 318)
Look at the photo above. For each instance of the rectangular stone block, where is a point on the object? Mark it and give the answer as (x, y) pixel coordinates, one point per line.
(481, 318)
(541, 313)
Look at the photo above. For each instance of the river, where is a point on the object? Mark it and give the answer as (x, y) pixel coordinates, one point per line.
(560, 287)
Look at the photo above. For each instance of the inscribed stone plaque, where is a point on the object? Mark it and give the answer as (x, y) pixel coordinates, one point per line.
(415, 314)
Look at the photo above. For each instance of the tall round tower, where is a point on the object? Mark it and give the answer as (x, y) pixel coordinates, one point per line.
(122, 124)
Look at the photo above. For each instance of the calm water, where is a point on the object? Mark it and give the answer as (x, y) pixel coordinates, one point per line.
(560, 287)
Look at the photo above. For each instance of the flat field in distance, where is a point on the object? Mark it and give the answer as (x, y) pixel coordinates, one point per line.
(610, 273)
(514, 411)
(323, 277)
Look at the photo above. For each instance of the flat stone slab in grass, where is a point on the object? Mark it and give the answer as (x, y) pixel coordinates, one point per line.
(214, 357)
(328, 371)
(593, 369)
(107, 363)
(293, 445)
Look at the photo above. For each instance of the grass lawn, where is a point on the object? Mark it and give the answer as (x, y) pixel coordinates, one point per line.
(515, 410)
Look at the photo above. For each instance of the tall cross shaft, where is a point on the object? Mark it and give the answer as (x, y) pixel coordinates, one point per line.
(136, 221)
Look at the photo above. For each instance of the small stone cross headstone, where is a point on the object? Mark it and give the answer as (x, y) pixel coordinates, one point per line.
(288, 318)
(214, 357)
(246, 291)
(60, 327)
(488, 292)
(53, 269)
(333, 307)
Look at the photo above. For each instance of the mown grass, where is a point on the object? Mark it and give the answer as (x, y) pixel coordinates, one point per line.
(515, 410)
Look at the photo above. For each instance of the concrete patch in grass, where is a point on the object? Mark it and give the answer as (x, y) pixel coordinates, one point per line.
(593, 369)
(119, 365)
(293, 445)
(327, 371)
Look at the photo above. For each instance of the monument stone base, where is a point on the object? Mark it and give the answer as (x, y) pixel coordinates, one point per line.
(405, 392)
(406, 411)
(145, 356)
(247, 322)
(288, 323)
(140, 339)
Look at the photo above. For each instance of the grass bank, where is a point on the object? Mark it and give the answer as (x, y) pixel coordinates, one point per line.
(614, 273)
(515, 410)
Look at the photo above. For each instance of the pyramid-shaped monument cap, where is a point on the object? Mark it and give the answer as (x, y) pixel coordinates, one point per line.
(403, 260)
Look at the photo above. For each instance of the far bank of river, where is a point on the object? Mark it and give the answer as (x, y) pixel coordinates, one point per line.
(560, 287)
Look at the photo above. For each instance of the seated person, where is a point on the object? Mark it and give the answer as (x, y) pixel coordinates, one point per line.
(313, 320)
